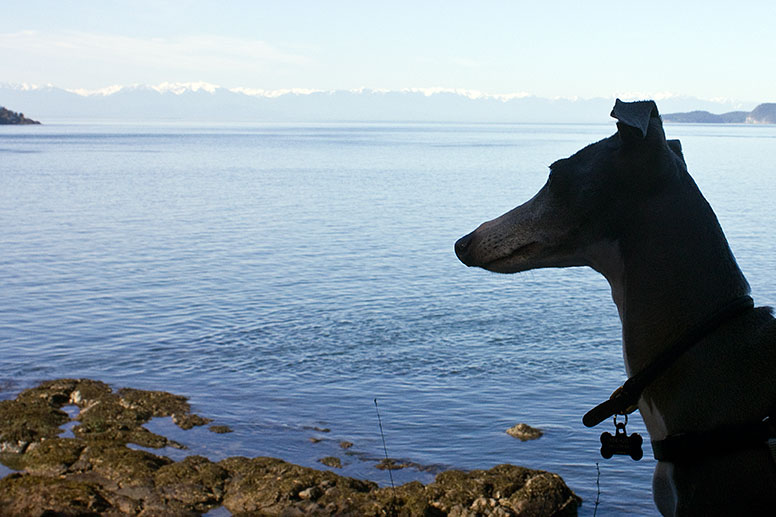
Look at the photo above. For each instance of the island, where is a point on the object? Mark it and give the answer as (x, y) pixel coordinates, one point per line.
(11, 117)
(763, 114)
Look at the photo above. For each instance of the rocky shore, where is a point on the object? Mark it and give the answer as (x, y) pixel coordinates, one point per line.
(96, 472)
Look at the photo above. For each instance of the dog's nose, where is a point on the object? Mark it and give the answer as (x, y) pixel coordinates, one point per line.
(462, 248)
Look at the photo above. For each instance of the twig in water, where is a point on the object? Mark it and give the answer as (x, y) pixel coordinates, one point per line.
(598, 488)
(385, 449)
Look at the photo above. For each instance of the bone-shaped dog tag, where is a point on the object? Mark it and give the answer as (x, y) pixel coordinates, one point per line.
(620, 443)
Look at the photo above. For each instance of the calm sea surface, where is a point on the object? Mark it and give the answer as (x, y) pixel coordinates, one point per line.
(283, 277)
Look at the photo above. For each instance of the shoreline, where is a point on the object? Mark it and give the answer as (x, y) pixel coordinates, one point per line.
(97, 471)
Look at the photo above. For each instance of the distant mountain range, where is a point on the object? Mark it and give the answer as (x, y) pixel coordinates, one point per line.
(762, 114)
(202, 102)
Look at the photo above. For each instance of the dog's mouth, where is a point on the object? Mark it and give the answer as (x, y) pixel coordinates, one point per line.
(515, 261)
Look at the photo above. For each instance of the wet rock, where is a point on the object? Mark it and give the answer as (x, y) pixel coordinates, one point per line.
(16, 441)
(195, 482)
(103, 415)
(83, 393)
(12, 460)
(541, 491)
(25, 421)
(188, 421)
(505, 488)
(119, 466)
(97, 473)
(391, 464)
(107, 419)
(52, 457)
(220, 429)
(313, 493)
(331, 461)
(483, 504)
(54, 392)
(157, 403)
(524, 432)
(345, 444)
(396, 464)
(25, 495)
(268, 486)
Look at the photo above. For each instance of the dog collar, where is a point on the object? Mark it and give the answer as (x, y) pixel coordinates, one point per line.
(689, 447)
(624, 399)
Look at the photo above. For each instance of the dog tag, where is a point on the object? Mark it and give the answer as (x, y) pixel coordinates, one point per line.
(620, 443)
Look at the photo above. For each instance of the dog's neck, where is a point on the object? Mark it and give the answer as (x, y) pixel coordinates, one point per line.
(671, 271)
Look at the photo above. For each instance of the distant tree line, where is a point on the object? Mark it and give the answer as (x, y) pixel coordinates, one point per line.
(11, 117)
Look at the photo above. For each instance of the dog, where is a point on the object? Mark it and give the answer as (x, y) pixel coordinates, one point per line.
(627, 207)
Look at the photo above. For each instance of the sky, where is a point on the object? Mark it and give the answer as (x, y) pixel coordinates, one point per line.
(710, 50)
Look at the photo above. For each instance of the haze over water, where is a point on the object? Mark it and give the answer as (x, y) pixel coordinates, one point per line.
(284, 276)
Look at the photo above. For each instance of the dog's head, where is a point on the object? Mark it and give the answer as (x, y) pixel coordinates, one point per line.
(586, 200)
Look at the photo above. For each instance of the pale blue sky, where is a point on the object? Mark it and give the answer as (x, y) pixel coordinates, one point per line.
(583, 49)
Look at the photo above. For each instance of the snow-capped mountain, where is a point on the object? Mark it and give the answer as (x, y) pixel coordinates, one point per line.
(208, 102)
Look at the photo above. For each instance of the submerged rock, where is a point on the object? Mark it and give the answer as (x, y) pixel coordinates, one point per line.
(331, 461)
(397, 464)
(392, 464)
(524, 432)
(97, 473)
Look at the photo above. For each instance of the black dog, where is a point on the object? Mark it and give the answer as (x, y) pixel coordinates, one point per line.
(702, 359)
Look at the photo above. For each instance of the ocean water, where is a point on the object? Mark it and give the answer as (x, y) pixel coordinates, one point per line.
(283, 277)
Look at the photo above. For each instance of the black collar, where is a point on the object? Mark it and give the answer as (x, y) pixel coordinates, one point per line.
(688, 447)
(625, 398)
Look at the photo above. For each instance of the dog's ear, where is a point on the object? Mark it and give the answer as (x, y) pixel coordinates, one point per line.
(676, 147)
(633, 118)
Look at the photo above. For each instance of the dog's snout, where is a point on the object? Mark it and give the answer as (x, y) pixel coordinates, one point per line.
(462, 246)
(463, 243)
